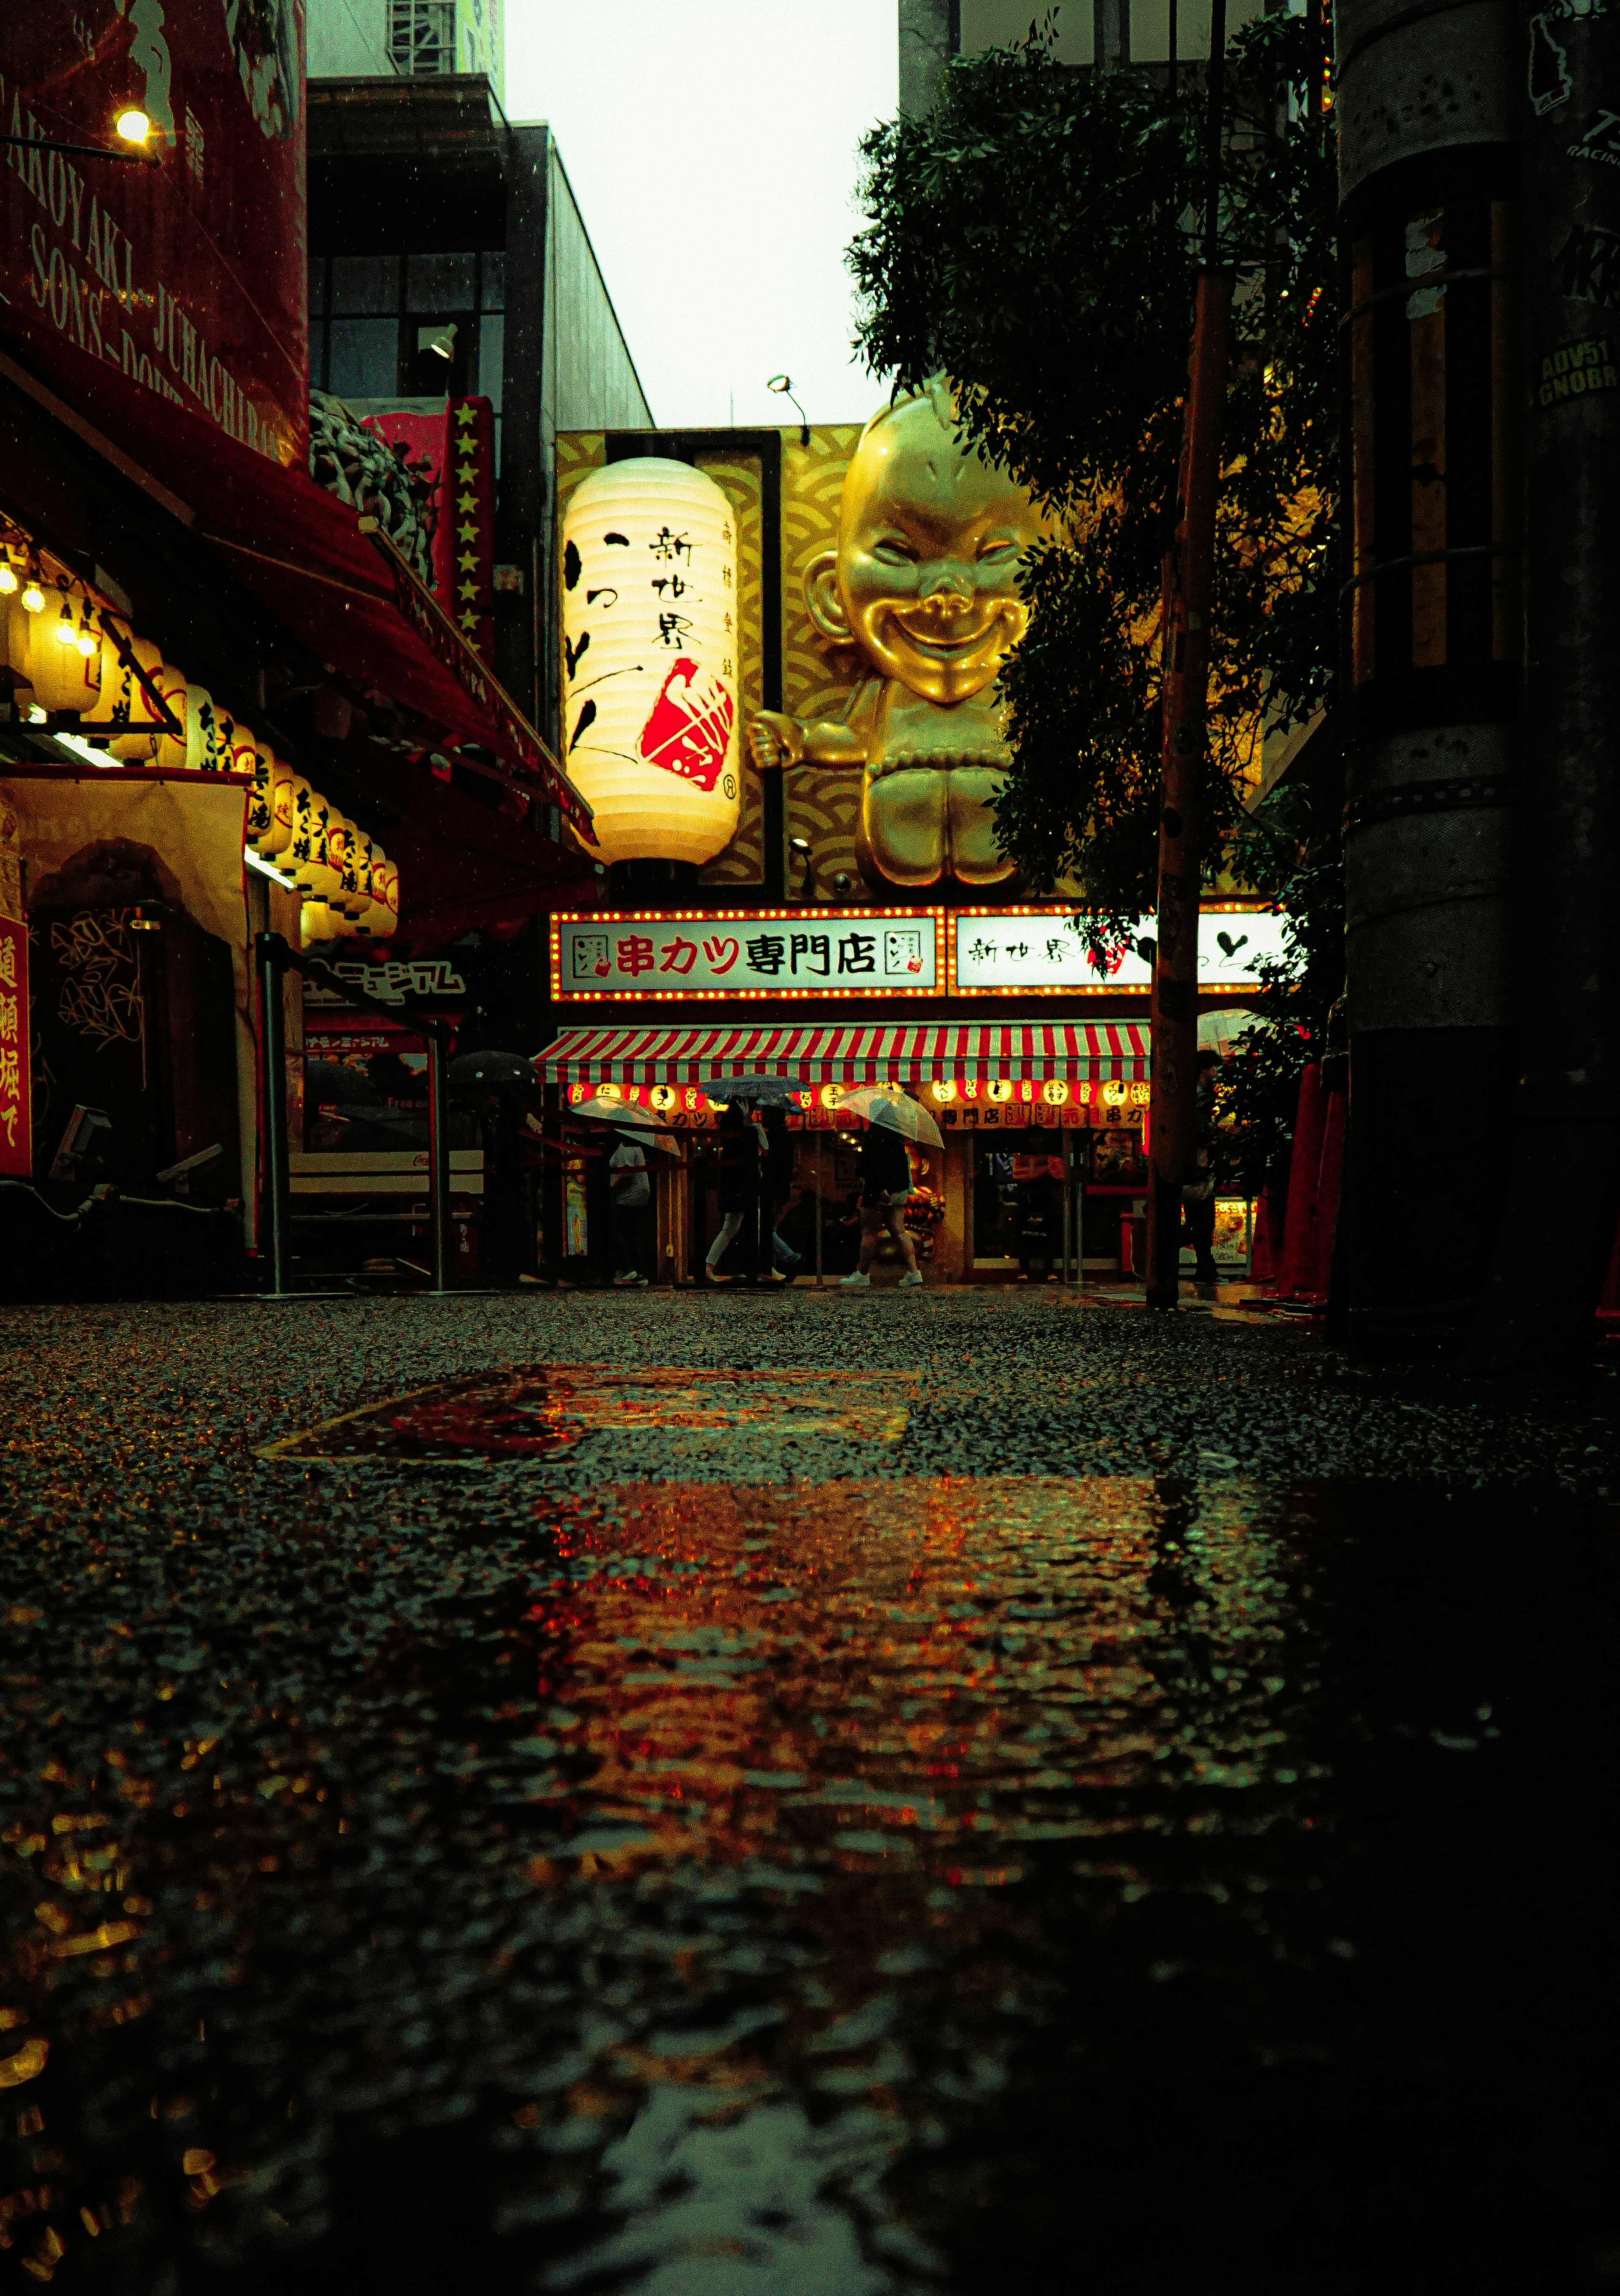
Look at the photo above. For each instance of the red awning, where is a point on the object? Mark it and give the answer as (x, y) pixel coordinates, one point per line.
(346, 593)
(1099, 1050)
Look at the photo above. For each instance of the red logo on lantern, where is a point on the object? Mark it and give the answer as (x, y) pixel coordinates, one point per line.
(689, 731)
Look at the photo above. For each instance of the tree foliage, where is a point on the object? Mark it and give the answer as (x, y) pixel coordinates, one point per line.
(1037, 238)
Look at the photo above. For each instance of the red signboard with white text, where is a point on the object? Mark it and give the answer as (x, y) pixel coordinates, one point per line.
(188, 274)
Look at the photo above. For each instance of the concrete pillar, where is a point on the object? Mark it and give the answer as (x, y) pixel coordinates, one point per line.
(930, 35)
(1111, 33)
(1563, 1197)
(1426, 120)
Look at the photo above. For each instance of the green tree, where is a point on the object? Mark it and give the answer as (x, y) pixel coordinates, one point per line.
(1036, 237)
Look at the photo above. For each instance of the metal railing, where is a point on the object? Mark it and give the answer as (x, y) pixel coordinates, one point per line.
(274, 958)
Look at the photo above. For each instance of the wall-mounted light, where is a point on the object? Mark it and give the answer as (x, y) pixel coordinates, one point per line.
(783, 385)
(133, 124)
(440, 339)
(799, 847)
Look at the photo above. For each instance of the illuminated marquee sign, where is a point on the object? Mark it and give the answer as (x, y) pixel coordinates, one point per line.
(742, 953)
(1040, 952)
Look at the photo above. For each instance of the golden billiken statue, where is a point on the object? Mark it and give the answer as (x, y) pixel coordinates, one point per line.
(924, 580)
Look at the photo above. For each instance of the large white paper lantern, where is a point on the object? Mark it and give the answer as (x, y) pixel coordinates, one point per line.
(650, 686)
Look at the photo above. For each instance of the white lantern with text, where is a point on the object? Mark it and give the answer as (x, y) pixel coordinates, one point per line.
(649, 703)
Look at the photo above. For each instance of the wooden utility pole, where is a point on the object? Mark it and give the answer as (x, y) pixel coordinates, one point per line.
(1189, 582)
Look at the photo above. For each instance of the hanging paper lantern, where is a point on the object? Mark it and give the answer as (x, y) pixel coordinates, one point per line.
(357, 877)
(204, 753)
(62, 677)
(338, 830)
(274, 840)
(317, 922)
(385, 890)
(168, 749)
(240, 751)
(371, 922)
(124, 700)
(304, 858)
(649, 726)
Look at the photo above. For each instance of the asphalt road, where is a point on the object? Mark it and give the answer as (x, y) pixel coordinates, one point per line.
(797, 1796)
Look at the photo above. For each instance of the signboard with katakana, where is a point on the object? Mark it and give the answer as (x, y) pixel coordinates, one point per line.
(732, 954)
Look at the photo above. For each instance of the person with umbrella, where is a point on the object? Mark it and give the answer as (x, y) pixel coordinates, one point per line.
(630, 1190)
(763, 1169)
(886, 1179)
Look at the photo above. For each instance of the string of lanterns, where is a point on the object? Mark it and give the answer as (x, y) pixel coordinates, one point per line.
(70, 653)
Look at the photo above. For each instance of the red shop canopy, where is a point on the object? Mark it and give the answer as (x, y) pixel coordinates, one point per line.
(1097, 1050)
(345, 592)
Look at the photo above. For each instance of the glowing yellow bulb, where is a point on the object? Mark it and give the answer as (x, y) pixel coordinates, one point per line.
(33, 599)
(133, 126)
(65, 632)
(85, 640)
(8, 581)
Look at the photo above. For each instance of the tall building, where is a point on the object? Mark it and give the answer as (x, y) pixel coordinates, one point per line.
(417, 40)
(448, 259)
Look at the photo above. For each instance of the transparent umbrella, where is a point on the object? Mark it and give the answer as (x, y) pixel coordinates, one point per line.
(651, 1129)
(775, 1091)
(895, 1111)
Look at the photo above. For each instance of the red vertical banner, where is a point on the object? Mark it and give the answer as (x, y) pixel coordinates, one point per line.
(16, 1130)
(467, 523)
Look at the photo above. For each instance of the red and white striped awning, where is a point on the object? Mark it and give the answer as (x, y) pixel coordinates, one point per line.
(1099, 1050)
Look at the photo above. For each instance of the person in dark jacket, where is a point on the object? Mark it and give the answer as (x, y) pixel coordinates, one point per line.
(885, 1183)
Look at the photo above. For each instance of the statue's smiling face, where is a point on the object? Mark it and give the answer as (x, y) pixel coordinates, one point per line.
(930, 546)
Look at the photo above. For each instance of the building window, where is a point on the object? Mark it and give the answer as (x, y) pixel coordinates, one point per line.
(413, 326)
(421, 38)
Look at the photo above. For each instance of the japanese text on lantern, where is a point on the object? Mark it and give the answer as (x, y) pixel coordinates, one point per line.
(16, 1145)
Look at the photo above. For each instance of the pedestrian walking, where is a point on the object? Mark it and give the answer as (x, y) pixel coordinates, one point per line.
(1038, 1177)
(886, 1184)
(1198, 1196)
(631, 1192)
(741, 1191)
(780, 1158)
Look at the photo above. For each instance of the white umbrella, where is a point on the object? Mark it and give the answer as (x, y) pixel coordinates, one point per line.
(629, 1116)
(895, 1111)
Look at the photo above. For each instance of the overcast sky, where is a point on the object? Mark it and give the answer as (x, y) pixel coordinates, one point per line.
(712, 148)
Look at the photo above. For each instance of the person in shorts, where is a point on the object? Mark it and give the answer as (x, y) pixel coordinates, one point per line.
(631, 1193)
(885, 1183)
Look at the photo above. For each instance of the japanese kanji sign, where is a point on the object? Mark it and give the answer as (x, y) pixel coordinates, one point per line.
(1005, 953)
(728, 954)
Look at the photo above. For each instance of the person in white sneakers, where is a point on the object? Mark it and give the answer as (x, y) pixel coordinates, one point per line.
(631, 1193)
(885, 1183)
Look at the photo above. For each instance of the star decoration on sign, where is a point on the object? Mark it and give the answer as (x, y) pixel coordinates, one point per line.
(468, 533)
(466, 502)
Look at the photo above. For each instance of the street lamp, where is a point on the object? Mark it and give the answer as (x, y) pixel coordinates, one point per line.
(782, 384)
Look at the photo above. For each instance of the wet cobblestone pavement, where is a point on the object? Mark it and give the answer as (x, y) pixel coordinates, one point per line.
(795, 1797)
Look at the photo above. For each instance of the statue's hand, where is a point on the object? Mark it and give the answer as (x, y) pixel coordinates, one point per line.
(775, 740)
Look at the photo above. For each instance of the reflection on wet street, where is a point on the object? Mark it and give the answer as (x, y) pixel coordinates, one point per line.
(925, 1883)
